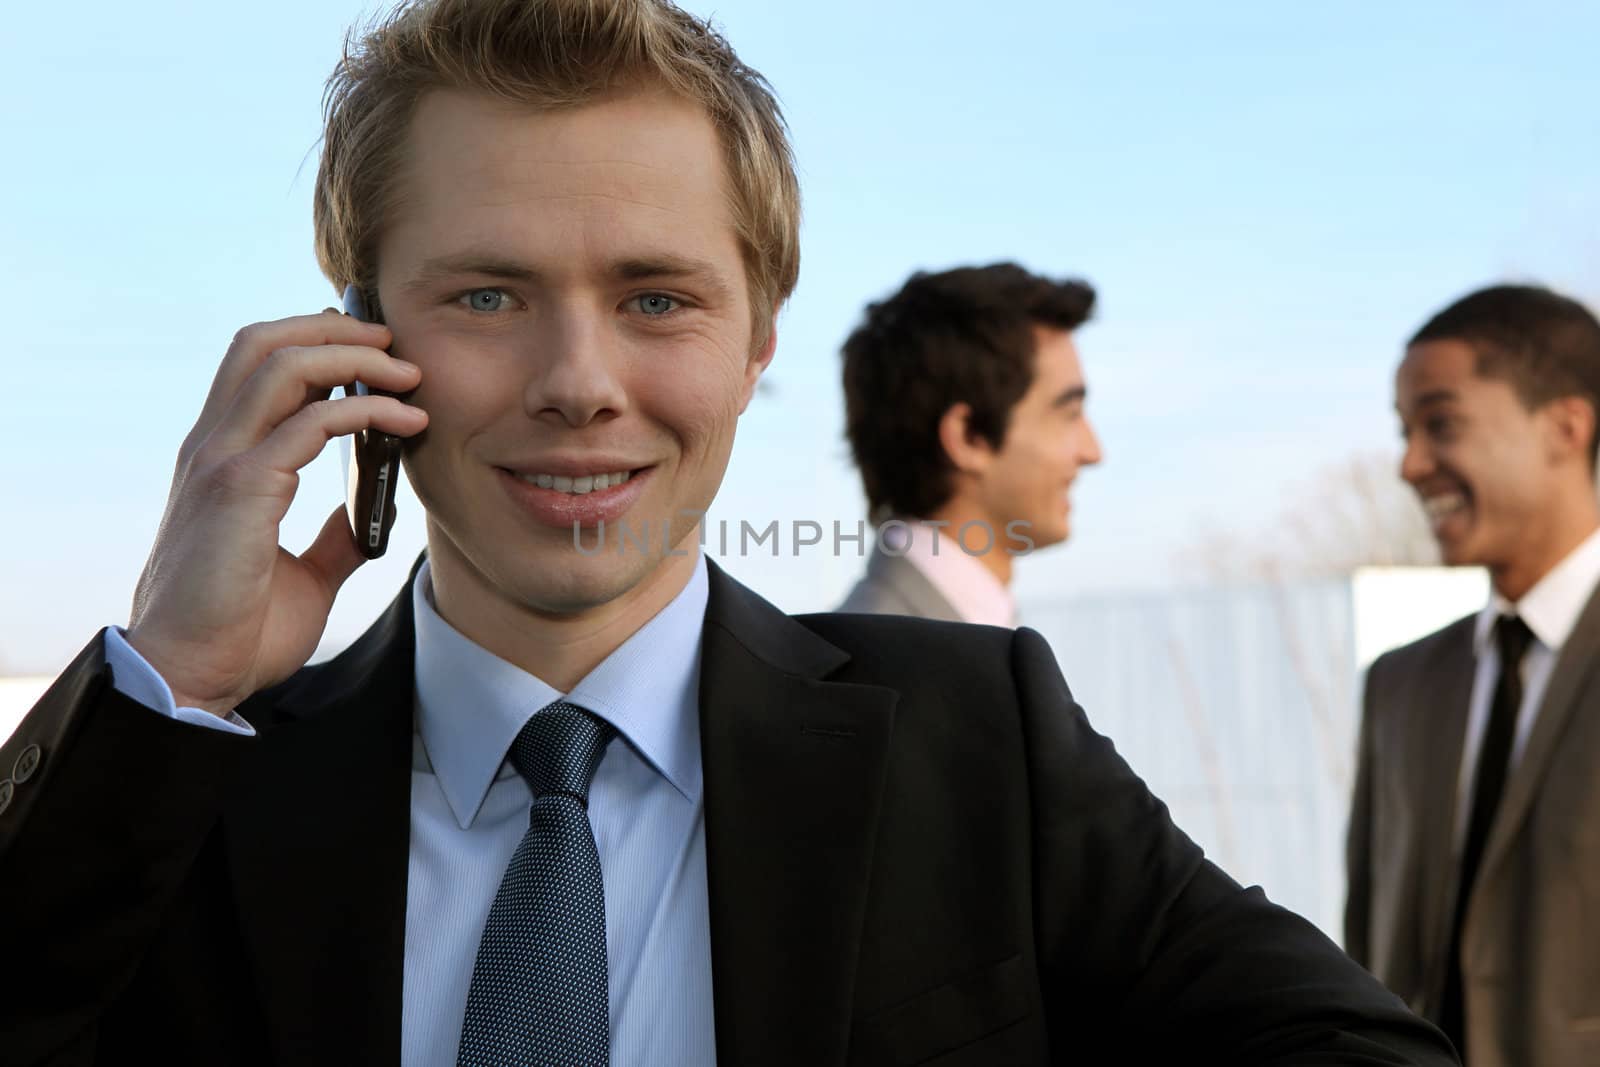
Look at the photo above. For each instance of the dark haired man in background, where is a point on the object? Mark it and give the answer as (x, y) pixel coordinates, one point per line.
(1474, 849)
(964, 402)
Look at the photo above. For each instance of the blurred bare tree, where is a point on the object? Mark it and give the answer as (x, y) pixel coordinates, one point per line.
(1355, 513)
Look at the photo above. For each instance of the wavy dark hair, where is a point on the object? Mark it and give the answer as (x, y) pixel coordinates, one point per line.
(959, 336)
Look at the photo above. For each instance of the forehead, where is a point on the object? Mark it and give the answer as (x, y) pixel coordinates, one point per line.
(1438, 373)
(1437, 370)
(1055, 362)
(632, 173)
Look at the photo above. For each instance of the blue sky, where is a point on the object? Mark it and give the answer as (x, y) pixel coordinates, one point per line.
(1269, 197)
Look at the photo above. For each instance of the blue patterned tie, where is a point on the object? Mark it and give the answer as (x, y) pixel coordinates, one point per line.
(538, 993)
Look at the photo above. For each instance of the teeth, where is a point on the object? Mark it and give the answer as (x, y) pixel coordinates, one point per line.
(586, 483)
(1444, 504)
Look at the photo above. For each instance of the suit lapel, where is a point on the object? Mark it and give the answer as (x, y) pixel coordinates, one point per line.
(1571, 677)
(1438, 739)
(318, 841)
(794, 769)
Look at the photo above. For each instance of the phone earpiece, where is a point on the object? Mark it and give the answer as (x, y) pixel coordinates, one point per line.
(355, 304)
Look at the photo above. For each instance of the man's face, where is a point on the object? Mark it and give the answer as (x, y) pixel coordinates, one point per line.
(1047, 441)
(571, 286)
(1475, 455)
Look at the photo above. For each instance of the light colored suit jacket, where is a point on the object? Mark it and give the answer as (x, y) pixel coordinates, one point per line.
(1530, 947)
(894, 586)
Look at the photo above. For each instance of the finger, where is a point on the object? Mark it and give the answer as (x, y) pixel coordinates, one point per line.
(333, 556)
(253, 344)
(289, 379)
(299, 439)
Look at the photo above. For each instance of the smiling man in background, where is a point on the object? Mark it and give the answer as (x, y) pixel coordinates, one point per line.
(1474, 848)
(569, 809)
(964, 406)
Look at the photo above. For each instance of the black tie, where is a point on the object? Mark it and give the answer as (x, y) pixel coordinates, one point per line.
(1494, 758)
(539, 987)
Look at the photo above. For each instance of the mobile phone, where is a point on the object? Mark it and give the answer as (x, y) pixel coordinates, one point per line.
(371, 478)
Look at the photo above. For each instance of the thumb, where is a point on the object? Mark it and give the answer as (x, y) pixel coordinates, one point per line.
(333, 556)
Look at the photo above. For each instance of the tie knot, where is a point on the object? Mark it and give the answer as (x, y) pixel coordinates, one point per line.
(559, 748)
(1513, 637)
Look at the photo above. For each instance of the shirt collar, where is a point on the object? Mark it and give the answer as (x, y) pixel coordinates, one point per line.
(1551, 608)
(962, 579)
(471, 704)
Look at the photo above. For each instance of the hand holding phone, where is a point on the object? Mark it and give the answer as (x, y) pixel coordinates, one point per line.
(371, 477)
(222, 609)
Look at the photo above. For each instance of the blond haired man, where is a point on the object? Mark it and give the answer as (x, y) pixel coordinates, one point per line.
(565, 807)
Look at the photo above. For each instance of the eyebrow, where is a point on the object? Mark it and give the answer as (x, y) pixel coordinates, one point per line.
(654, 266)
(478, 263)
(1436, 396)
(669, 266)
(1074, 393)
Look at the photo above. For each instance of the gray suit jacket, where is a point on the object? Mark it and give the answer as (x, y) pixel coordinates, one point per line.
(894, 586)
(1530, 952)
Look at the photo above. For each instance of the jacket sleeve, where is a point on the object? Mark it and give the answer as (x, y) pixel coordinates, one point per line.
(1151, 954)
(94, 844)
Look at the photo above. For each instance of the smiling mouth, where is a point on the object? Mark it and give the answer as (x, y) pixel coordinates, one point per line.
(1441, 507)
(576, 486)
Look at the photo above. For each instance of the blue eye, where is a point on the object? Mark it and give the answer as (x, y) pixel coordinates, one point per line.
(654, 304)
(485, 299)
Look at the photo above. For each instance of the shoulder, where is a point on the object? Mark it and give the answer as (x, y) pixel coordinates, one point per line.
(935, 658)
(1449, 642)
(1406, 678)
(888, 642)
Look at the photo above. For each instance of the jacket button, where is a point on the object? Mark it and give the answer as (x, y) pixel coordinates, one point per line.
(27, 763)
(6, 789)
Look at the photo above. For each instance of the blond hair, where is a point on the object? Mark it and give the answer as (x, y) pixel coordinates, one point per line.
(548, 54)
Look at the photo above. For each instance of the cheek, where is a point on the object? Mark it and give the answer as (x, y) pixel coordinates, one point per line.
(698, 404)
(461, 404)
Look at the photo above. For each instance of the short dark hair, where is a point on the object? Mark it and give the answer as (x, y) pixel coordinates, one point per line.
(1544, 345)
(960, 336)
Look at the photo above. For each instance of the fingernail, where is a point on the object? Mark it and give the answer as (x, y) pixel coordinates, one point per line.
(331, 311)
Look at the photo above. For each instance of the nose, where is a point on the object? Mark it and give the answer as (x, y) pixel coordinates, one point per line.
(1417, 461)
(1089, 454)
(574, 374)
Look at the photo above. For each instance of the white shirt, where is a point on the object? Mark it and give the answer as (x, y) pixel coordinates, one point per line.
(1551, 609)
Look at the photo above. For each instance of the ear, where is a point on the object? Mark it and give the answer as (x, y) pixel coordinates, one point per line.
(758, 364)
(1571, 422)
(969, 452)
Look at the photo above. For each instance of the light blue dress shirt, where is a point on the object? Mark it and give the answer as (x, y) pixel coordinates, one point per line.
(469, 810)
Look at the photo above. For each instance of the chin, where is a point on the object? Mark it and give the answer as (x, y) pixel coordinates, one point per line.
(1459, 552)
(562, 587)
(1046, 535)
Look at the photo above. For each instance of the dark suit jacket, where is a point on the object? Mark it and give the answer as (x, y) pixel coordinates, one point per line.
(1530, 945)
(917, 852)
